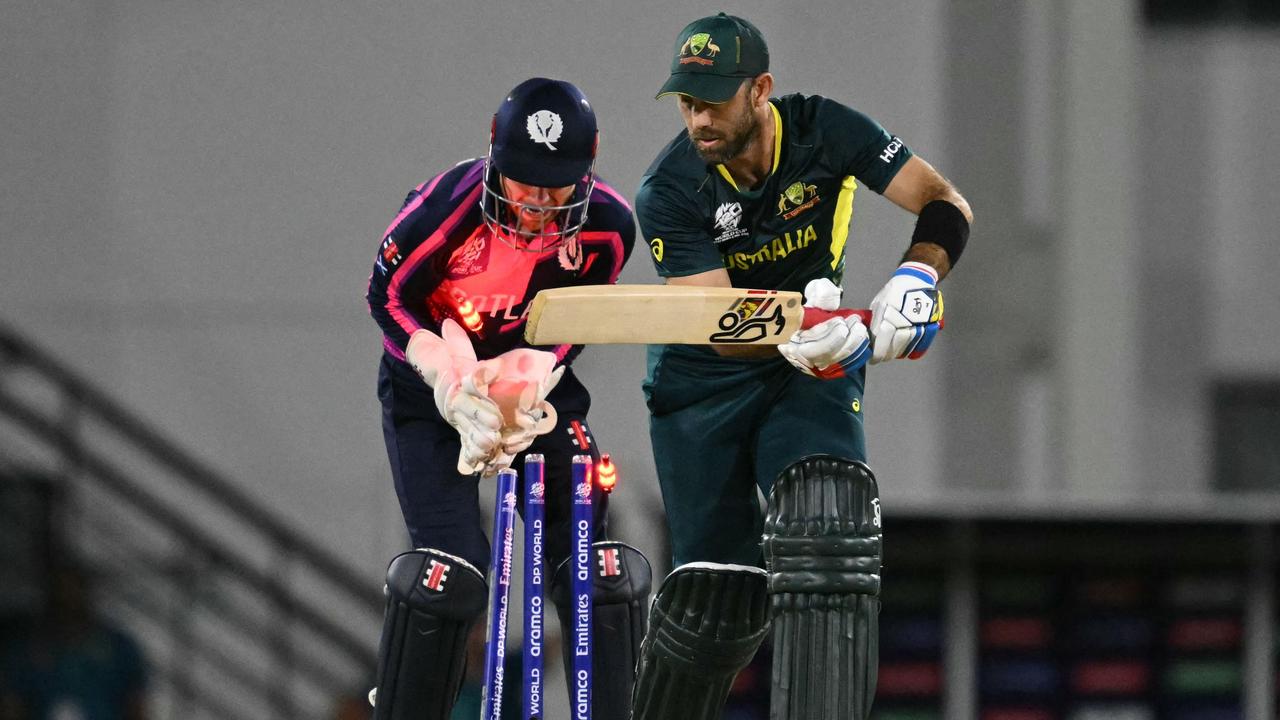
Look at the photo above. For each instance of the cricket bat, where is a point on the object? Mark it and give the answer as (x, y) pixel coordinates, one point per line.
(677, 314)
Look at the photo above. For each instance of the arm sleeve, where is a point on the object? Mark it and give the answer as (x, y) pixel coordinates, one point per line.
(409, 266)
(859, 146)
(677, 237)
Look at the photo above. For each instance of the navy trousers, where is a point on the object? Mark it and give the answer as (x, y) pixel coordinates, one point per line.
(441, 507)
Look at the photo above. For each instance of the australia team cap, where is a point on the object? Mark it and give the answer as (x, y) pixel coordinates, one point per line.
(544, 134)
(713, 55)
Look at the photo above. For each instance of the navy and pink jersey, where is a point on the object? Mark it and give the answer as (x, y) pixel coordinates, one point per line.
(439, 260)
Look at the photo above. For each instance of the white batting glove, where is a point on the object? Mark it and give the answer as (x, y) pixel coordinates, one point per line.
(833, 348)
(906, 314)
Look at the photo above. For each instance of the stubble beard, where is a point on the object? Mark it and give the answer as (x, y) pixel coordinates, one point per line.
(741, 134)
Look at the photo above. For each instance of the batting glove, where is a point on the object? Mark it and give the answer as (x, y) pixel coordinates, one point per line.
(906, 314)
(834, 348)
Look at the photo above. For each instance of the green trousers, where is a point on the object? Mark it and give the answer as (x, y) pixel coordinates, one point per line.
(723, 429)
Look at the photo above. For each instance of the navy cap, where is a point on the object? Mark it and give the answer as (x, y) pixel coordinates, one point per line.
(713, 55)
(544, 134)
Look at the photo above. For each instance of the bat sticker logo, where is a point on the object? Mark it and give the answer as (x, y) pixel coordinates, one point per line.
(748, 320)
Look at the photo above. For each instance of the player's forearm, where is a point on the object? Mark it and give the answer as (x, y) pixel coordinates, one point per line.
(931, 254)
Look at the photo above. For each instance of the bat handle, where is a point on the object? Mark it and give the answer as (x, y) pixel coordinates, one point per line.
(813, 316)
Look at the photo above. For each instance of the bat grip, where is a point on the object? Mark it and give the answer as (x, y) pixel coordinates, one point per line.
(813, 316)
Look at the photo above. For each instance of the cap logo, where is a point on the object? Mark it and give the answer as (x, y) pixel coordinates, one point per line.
(544, 127)
(692, 49)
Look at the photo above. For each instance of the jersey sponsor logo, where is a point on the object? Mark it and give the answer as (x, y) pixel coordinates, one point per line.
(797, 198)
(657, 248)
(774, 250)
(609, 565)
(751, 319)
(544, 128)
(436, 575)
(692, 49)
(728, 215)
(891, 150)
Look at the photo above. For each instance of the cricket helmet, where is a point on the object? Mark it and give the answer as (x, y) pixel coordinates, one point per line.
(544, 134)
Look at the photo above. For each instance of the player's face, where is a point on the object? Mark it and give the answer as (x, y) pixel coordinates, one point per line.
(719, 131)
(537, 206)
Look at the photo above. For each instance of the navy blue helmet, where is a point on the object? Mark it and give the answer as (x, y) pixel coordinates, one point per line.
(544, 135)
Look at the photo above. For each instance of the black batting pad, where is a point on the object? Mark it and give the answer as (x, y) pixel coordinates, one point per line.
(706, 624)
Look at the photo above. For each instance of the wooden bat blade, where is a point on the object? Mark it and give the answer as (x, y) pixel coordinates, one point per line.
(677, 314)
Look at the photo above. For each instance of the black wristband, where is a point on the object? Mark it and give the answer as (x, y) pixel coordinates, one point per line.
(942, 223)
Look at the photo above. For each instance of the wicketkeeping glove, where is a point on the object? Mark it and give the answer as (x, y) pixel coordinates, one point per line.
(833, 348)
(447, 363)
(906, 314)
(524, 379)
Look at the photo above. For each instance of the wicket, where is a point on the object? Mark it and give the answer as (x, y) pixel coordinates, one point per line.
(582, 573)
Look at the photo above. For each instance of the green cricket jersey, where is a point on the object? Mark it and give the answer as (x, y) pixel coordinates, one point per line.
(790, 230)
(779, 236)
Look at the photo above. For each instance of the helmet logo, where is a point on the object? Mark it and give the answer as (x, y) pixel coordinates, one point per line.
(544, 127)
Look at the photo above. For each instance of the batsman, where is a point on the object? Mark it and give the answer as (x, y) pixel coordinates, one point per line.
(463, 396)
(757, 192)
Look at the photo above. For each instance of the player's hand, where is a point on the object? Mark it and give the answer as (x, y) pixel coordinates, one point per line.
(460, 384)
(906, 313)
(526, 378)
(441, 359)
(517, 383)
(833, 348)
(478, 420)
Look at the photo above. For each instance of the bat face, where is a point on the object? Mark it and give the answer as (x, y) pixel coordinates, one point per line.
(643, 314)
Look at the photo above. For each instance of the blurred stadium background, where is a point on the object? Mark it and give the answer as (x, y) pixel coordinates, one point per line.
(1081, 482)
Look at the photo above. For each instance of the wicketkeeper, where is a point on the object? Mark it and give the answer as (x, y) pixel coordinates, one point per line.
(463, 396)
(757, 192)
